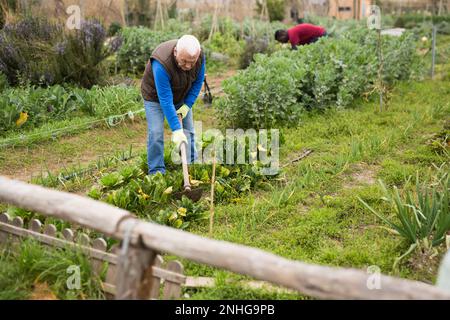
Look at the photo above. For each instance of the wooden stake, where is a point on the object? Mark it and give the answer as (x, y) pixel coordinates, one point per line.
(264, 11)
(213, 182)
(380, 70)
(214, 25)
(433, 62)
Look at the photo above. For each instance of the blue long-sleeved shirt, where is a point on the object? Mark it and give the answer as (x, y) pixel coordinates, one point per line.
(165, 95)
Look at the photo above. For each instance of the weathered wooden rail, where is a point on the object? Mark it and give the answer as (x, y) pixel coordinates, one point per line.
(146, 240)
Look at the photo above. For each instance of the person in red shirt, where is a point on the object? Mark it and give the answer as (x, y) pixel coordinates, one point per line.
(302, 34)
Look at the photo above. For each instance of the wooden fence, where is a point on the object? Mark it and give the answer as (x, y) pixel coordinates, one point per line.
(143, 241)
(169, 275)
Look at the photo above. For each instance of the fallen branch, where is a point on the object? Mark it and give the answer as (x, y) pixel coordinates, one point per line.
(305, 154)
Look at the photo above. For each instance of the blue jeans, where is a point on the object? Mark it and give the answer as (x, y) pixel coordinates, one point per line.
(155, 143)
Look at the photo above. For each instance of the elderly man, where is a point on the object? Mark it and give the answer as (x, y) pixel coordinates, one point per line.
(172, 82)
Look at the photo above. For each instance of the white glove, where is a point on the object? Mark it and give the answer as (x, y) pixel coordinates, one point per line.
(178, 137)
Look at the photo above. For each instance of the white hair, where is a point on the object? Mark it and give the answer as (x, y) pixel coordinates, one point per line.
(189, 44)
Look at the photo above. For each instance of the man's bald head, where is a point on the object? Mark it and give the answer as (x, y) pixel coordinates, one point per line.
(187, 52)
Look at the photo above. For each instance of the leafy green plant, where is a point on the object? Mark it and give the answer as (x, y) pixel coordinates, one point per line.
(55, 103)
(138, 44)
(114, 28)
(265, 93)
(252, 47)
(111, 180)
(152, 197)
(276, 89)
(183, 215)
(423, 218)
(225, 43)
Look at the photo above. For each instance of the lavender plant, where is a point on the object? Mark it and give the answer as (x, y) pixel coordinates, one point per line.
(38, 52)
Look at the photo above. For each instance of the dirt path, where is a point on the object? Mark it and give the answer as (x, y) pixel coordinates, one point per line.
(215, 82)
(24, 162)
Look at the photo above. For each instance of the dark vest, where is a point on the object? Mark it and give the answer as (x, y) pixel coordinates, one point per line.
(181, 81)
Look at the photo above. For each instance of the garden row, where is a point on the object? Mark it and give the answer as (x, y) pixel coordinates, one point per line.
(25, 108)
(44, 67)
(37, 51)
(276, 89)
(232, 44)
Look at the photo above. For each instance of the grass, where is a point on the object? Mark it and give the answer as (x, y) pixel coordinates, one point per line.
(26, 265)
(313, 214)
(36, 158)
(322, 221)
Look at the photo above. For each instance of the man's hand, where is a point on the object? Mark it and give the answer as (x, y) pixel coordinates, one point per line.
(178, 137)
(184, 110)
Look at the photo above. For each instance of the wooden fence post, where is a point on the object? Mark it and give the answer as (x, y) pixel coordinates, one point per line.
(134, 271)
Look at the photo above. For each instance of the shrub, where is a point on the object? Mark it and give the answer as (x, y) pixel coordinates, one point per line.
(114, 28)
(227, 45)
(26, 51)
(81, 54)
(412, 20)
(332, 72)
(38, 52)
(264, 94)
(252, 47)
(138, 44)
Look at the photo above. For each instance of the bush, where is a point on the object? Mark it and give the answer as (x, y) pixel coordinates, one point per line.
(225, 44)
(138, 44)
(80, 57)
(26, 51)
(3, 82)
(252, 47)
(264, 94)
(38, 52)
(423, 24)
(114, 28)
(413, 20)
(332, 72)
